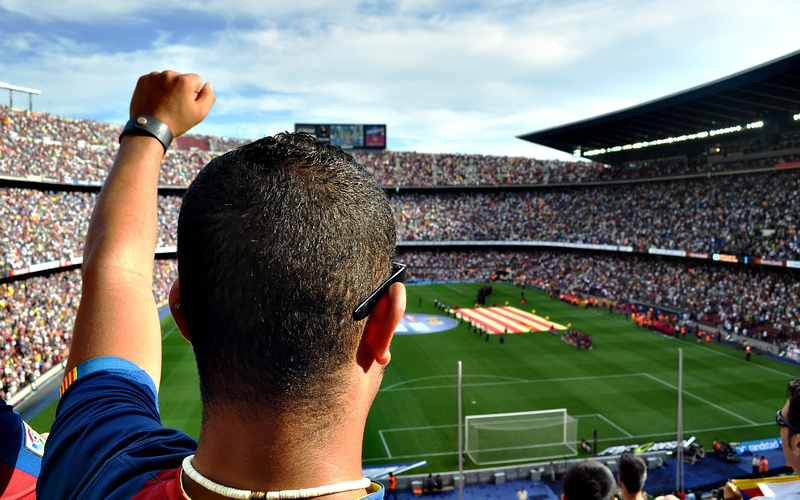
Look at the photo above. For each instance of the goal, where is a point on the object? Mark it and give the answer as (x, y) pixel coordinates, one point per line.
(514, 437)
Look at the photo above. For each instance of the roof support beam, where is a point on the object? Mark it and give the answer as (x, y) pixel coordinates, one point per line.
(772, 96)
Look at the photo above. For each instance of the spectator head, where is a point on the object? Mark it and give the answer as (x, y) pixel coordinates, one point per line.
(278, 243)
(588, 480)
(788, 419)
(632, 471)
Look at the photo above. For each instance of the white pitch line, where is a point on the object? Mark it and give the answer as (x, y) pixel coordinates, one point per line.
(513, 381)
(607, 420)
(615, 426)
(397, 385)
(609, 439)
(702, 400)
(452, 386)
(446, 426)
(172, 329)
(523, 447)
(423, 428)
(742, 360)
(695, 431)
(403, 457)
(385, 445)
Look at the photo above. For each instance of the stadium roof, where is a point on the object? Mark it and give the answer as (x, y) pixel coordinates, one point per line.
(768, 93)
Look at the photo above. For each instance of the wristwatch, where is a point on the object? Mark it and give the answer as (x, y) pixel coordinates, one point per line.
(148, 126)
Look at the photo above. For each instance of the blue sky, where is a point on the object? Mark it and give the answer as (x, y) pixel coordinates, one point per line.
(445, 76)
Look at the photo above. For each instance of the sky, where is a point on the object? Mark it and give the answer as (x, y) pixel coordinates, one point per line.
(445, 76)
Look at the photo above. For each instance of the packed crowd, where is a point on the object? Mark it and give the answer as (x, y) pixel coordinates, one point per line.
(421, 169)
(749, 214)
(754, 296)
(49, 128)
(44, 226)
(36, 320)
(674, 167)
(50, 146)
(42, 144)
(36, 317)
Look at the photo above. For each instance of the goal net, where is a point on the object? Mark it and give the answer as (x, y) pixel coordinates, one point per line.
(514, 437)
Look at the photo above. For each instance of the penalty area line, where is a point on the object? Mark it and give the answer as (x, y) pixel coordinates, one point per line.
(601, 440)
(702, 400)
(385, 445)
(612, 424)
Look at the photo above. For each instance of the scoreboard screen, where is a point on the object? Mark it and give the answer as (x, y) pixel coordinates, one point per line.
(347, 136)
(375, 136)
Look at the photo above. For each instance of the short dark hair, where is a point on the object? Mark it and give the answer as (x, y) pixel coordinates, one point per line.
(278, 242)
(793, 412)
(632, 471)
(589, 480)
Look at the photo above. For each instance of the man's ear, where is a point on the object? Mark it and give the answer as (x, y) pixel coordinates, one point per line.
(381, 323)
(175, 309)
(794, 444)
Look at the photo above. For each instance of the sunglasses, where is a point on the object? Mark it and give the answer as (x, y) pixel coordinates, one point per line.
(782, 422)
(365, 307)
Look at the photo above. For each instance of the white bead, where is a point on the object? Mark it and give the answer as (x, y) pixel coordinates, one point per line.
(238, 494)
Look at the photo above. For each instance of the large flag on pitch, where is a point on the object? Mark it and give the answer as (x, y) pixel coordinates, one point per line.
(507, 320)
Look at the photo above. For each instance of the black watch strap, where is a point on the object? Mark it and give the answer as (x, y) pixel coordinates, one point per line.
(149, 126)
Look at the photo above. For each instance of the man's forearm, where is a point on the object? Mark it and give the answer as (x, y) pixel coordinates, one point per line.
(118, 260)
(123, 228)
(117, 315)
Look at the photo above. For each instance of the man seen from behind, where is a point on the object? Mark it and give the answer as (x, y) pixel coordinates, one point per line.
(632, 473)
(287, 291)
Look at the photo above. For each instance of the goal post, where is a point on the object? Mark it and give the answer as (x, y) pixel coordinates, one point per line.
(515, 437)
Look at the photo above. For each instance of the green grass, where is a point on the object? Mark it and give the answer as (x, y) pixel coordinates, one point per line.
(625, 386)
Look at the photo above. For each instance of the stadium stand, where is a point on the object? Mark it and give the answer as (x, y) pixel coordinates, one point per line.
(192, 142)
(49, 146)
(739, 197)
(43, 226)
(35, 326)
(742, 214)
(747, 214)
(736, 197)
(36, 319)
(723, 208)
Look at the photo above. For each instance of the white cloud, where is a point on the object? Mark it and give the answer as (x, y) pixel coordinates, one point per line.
(444, 76)
(81, 11)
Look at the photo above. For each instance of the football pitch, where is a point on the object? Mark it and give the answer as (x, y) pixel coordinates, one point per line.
(625, 387)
